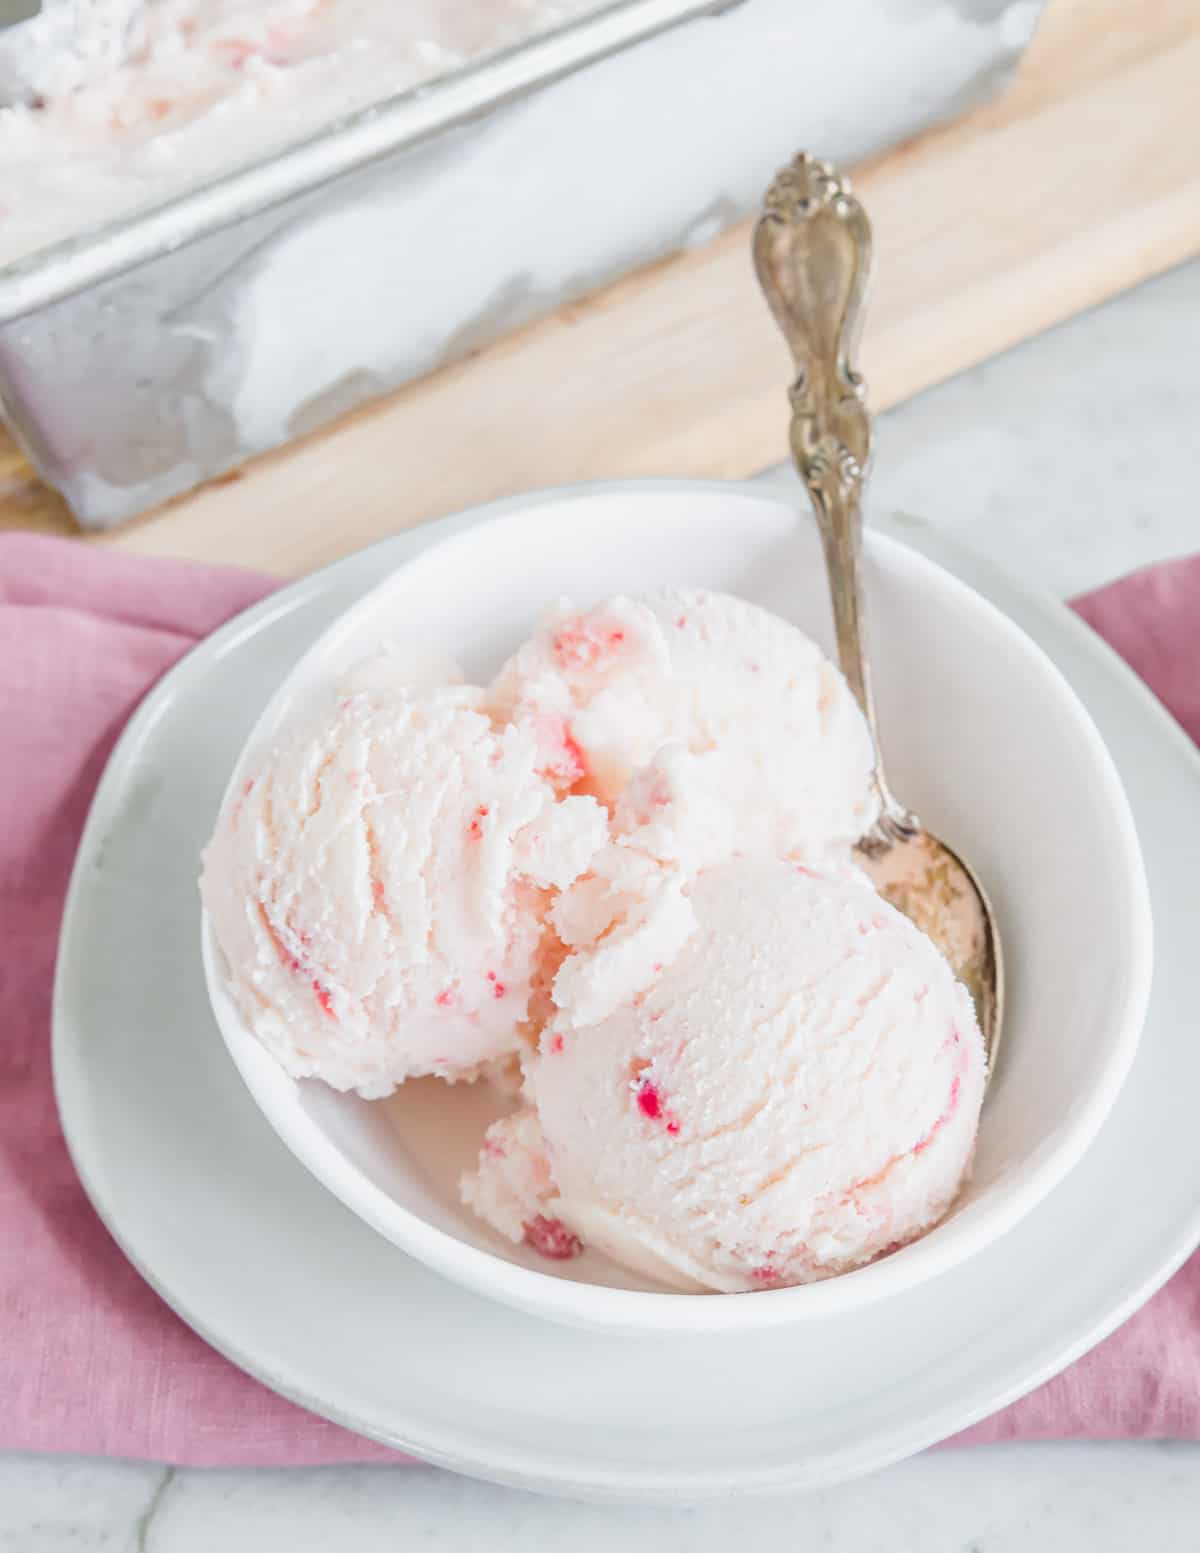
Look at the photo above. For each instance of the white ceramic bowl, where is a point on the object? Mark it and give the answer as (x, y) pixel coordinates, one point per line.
(984, 738)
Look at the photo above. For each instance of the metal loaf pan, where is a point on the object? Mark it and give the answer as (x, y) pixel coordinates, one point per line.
(138, 360)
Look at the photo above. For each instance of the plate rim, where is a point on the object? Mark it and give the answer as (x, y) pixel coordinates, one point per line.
(514, 1467)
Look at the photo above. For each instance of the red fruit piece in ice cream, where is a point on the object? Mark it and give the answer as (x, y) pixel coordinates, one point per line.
(551, 1238)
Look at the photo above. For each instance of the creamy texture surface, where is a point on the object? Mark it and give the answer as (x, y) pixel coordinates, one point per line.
(378, 886)
(795, 1093)
(110, 106)
(712, 725)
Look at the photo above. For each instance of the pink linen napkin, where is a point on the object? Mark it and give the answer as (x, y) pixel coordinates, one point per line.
(90, 1359)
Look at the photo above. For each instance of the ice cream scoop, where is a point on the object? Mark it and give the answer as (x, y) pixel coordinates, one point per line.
(378, 886)
(796, 1094)
(711, 725)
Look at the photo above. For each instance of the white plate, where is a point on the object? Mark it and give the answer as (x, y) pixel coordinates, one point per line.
(274, 1272)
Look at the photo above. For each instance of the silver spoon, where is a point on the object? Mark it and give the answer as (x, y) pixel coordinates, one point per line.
(812, 251)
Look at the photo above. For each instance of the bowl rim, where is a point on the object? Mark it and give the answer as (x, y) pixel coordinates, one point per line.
(644, 1311)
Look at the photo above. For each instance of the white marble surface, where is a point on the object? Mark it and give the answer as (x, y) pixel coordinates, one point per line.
(1068, 461)
(1073, 458)
(1009, 1499)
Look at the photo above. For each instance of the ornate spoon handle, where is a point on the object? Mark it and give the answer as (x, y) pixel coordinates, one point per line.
(812, 251)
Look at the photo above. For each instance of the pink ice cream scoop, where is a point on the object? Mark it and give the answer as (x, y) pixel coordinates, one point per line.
(740, 733)
(378, 886)
(796, 1093)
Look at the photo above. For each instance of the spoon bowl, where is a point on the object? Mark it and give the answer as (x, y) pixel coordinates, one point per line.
(928, 881)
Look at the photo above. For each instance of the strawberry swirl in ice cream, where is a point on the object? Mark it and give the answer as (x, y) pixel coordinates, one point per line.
(627, 864)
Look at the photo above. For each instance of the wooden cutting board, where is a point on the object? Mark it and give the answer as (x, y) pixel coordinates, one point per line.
(1083, 179)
